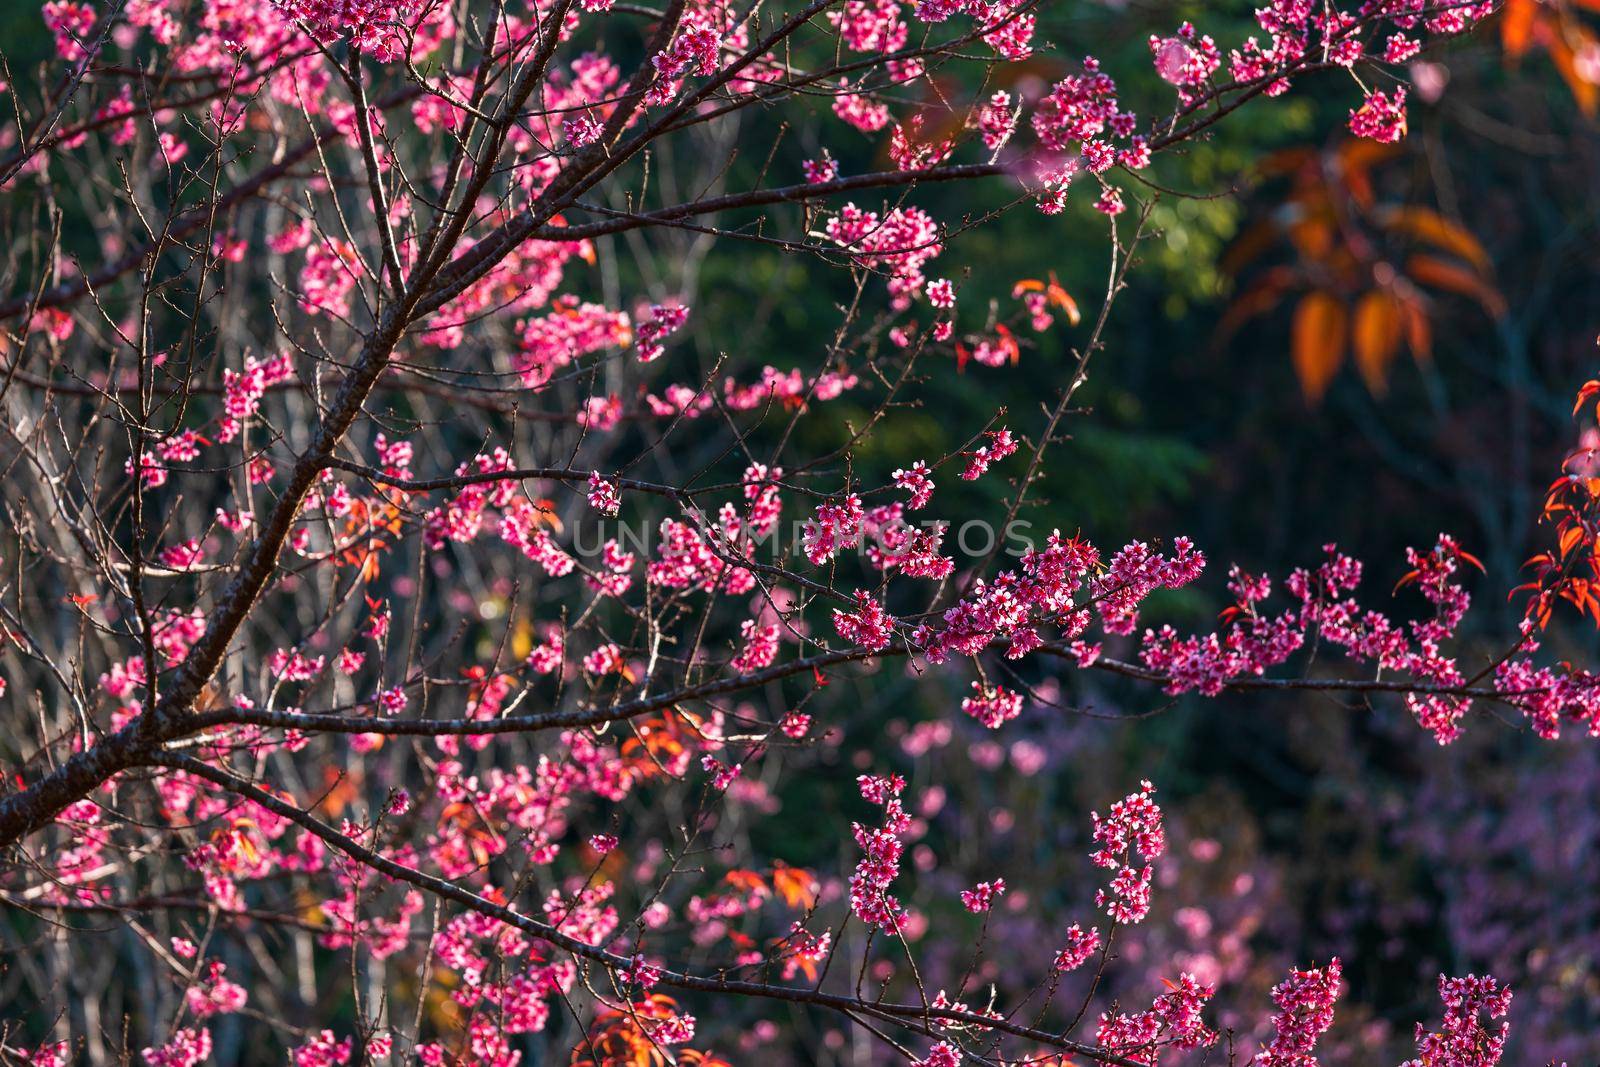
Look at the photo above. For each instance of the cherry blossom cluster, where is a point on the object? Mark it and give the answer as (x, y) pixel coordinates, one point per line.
(1041, 591)
(332, 269)
(1080, 945)
(187, 1047)
(997, 120)
(532, 275)
(325, 1049)
(1381, 116)
(603, 495)
(689, 557)
(1255, 641)
(662, 320)
(993, 706)
(1001, 444)
(792, 389)
(1305, 1002)
(835, 527)
(901, 241)
(1185, 60)
(1296, 32)
(570, 331)
(1172, 1021)
(214, 994)
(693, 51)
(882, 847)
(1133, 828)
(981, 897)
(896, 545)
(868, 625)
(1463, 1040)
(371, 23)
(916, 481)
(821, 170)
(1081, 121)
(71, 22)
(760, 647)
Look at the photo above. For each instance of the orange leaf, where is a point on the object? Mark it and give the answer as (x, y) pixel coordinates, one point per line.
(1427, 225)
(1441, 274)
(1357, 157)
(1008, 343)
(1318, 335)
(1565, 57)
(694, 1058)
(1570, 539)
(745, 881)
(1287, 161)
(1590, 388)
(1314, 235)
(1419, 331)
(1516, 28)
(545, 514)
(1258, 298)
(1062, 299)
(1375, 337)
(797, 885)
